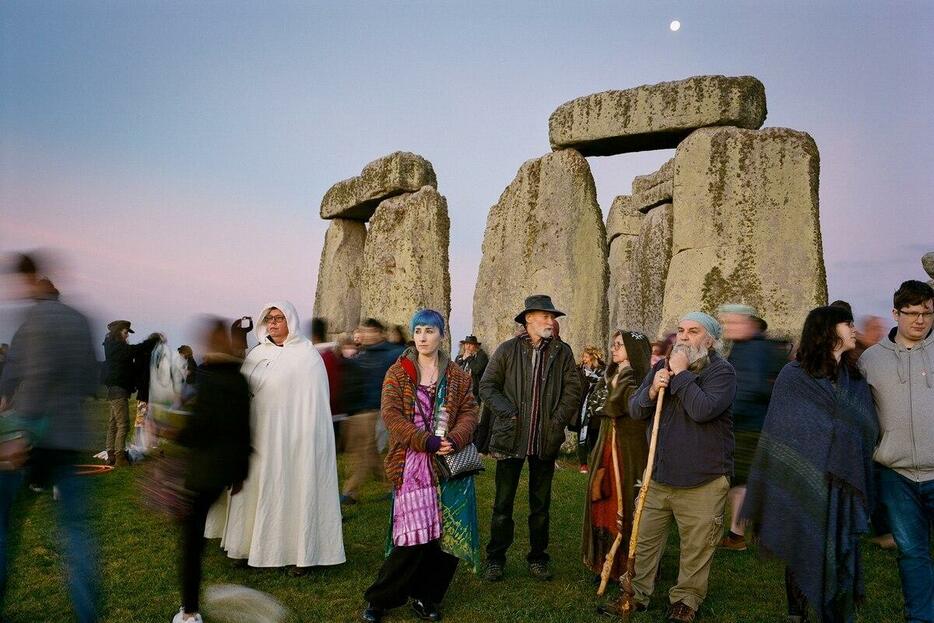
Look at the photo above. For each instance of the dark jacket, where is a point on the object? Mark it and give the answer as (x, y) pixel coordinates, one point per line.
(365, 374)
(218, 430)
(695, 436)
(754, 361)
(119, 369)
(50, 371)
(506, 388)
(475, 365)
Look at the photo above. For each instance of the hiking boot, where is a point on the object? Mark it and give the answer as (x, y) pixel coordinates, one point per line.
(493, 572)
(680, 612)
(540, 571)
(733, 543)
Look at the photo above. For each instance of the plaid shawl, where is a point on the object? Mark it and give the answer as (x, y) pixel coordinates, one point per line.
(809, 489)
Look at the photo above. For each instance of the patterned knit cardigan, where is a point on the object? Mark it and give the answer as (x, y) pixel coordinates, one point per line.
(398, 411)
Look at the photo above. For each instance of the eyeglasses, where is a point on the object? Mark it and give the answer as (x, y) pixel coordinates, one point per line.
(916, 315)
(615, 346)
(274, 319)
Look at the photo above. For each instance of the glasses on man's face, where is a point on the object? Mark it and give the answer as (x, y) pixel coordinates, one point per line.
(615, 346)
(274, 319)
(922, 315)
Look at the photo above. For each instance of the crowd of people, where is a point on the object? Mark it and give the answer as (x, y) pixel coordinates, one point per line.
(805, 446)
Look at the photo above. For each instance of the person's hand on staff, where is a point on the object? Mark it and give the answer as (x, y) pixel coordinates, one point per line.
(659, 383)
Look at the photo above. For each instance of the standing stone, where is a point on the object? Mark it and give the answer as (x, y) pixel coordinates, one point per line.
(649, 191)
(927, 262)
(746, 226)
(623, 225)
(657, 116)
(357, 197)
(648, 270)
(406, 259)
(337, 296)
(545, 235)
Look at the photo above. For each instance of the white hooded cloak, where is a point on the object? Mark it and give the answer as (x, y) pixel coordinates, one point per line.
(288, 512)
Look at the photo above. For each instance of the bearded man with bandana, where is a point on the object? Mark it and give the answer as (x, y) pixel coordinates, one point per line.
(693, 462)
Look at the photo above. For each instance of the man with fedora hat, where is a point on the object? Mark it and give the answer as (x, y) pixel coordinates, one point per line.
(120, 379)
(473, 360)
(532, 389)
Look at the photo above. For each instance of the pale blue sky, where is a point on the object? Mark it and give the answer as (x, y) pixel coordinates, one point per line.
(176, 152)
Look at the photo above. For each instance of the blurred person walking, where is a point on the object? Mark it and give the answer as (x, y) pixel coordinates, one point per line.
(899, 370)
(870, 331)
(217, 440)
(809, 490)
(120, 379)
(288, 512)
(604, 517)
(756, 365)
(365, 376)
(430, 411)
(50, 372)
(593, 396)
(532, 389)
(693, 463)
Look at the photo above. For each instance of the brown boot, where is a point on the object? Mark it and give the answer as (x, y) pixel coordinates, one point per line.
(122, 460)
(680, 612)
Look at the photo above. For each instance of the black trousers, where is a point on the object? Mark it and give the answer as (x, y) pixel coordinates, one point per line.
(423, 572)
(502, 526)
(193, 547)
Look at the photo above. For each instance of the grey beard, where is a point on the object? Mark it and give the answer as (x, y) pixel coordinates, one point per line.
(693, 353)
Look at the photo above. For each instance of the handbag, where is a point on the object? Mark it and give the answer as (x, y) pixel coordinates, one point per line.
(465, 462)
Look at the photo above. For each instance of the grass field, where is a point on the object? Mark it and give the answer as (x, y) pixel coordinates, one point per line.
(139, 553)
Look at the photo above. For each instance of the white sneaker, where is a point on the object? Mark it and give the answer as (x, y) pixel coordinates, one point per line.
(181, 617)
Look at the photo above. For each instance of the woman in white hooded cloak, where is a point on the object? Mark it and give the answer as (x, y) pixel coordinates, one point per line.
(288, 512)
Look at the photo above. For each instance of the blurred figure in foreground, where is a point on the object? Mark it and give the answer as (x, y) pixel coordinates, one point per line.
(810, 487)
(869, 332)
(50, 372)
(364, 384)
(217, 438)
(120, 379)
(288, 513)
(756, 365)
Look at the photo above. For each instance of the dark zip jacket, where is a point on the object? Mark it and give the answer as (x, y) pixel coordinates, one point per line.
(506, 388)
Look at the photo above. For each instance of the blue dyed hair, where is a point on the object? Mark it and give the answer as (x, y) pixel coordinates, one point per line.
(427, 317)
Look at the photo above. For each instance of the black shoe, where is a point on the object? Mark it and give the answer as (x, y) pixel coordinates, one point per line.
(493, 572)
(372, 615)
(540, 571)
(425, 610)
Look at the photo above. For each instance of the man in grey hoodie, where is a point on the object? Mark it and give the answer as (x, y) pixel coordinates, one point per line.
(899, 370)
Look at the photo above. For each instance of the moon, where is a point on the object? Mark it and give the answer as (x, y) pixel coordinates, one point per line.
(674, 26)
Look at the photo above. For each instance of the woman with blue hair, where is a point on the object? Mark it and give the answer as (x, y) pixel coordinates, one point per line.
(429, 410)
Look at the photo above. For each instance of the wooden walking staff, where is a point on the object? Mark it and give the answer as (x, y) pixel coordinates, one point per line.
(627, 599)
(611, 555)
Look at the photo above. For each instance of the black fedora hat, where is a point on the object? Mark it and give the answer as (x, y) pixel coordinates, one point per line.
(470, 339)
(538, 302)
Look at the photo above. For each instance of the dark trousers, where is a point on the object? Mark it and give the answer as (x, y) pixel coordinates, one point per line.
(74, 522)
(193, 548)
(423, 572)
(502, 527)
